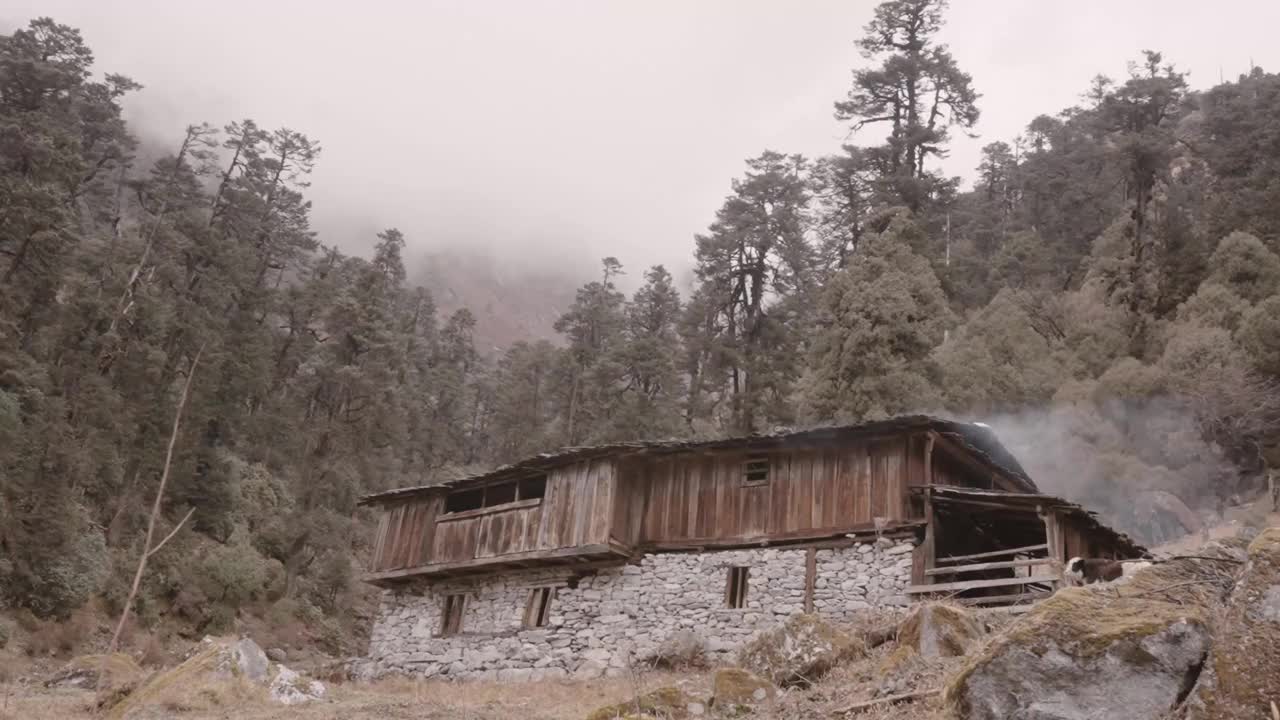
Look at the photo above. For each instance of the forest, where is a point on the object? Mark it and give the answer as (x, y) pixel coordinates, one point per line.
(1107, 292)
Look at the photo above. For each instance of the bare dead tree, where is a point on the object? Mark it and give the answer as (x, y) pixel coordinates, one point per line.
(147, 548)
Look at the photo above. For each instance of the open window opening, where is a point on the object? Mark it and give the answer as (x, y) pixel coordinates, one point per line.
(755, 471)
(451, 615)
(464, 500)
(538, 609)
(533, 488)
(503, 493)
(736, 590)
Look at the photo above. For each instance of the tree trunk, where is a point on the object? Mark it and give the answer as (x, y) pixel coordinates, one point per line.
(147, 549)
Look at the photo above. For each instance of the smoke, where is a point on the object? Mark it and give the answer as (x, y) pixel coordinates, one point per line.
(1142, 464)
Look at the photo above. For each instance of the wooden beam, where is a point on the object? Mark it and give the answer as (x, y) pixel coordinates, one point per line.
(493, 509)
(928, 548)
(993, 553)
(791, 539)
(810, 577)
(975, 584)
(951, 569)
(928, 458)
(580, 552)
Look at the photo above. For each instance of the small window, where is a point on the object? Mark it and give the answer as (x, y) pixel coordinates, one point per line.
(533, 488)
(755, 471)
(451, 622)
(499, 494)
(538, 609)
(464, 500)
(736, 592)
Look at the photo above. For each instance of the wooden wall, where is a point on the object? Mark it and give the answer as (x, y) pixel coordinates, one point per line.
(702, 497)
(405, 533)
(682, 499)
(576, 510)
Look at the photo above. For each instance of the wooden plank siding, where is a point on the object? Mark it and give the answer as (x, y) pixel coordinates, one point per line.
(696, 498)
(703, 496)
(577, 510)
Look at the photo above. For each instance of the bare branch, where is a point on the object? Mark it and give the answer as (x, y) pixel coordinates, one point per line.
(172, 532)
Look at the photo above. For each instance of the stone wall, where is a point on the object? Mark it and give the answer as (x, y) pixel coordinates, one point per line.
(619, 615)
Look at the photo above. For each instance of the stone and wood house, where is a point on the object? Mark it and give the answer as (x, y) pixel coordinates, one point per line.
(585, 560)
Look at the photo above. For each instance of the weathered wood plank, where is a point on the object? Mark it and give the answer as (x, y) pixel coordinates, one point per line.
(810, 577)
(953, 569)
(534, 556)
(993, 553)
(962, 585)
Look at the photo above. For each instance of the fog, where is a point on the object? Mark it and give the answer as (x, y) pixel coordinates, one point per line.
(554, 132)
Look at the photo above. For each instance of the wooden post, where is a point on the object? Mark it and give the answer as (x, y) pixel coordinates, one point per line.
(929, 548)
(928, 459)
(1053, 536)
(810, 577)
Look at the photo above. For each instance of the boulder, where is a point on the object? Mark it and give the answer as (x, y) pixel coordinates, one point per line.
(1242, 674)
(276, 654)
(736, 692)
(1084, 654)
(934, 630)
(665, 703)
(290, 688)
(799, 651)
(681, 649)
(215, 669)
(93, 672)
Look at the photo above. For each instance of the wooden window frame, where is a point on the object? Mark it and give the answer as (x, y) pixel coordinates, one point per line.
(537, 609)
(519, 489)
(735, 587)
(756, 470)
(452, 612)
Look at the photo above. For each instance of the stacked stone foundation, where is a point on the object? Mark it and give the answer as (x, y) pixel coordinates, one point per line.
(615, 618)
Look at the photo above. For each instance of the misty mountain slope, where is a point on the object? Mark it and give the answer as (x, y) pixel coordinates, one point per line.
(511, 300)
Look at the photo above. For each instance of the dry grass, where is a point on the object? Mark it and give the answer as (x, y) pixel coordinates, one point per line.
(394, 698)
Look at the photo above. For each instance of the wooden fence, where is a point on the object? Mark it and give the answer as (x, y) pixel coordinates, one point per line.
(969, 579)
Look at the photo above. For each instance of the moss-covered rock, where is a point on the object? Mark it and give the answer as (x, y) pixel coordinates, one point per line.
(218, 674)
(91, 672)
(1242, 674)
(939, 630)
(665, 703)
(736, 692)
(800, 651)
(1085, 653)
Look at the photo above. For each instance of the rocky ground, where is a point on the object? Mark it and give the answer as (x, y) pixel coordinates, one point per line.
(1194, 637)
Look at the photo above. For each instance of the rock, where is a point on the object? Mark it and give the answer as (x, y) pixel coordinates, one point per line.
(248, 660)
(935, 630)
(1085, 653)
(681, 649)
(799, 651)
(589, 670)
(278, 655)
(1242, 674)
(290, 688)
(90, 672)
(736, 692)
(668, 703)
(216, 666)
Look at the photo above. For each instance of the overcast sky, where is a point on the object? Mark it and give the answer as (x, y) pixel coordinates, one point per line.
(562, 131)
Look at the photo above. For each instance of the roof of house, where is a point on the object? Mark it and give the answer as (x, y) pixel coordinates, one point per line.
(976, 438)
